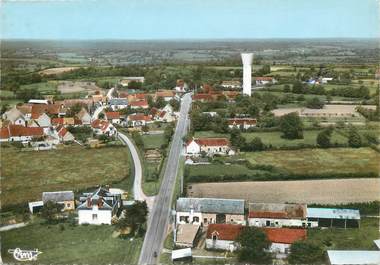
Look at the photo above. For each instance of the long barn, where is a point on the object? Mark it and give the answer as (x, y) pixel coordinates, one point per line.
(330, 217)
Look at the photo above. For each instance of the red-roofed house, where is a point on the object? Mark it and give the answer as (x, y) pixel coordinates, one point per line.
(263, 80)
(165, 116)
(138, 119)
(4, 134)
(143, 104)
(25, 134)
(203, 97)
(113, 117)
(211, 146)
(242, 123)
(103, 127)
(222, 236)
(167, 95)
(283, 238)
(64, 134)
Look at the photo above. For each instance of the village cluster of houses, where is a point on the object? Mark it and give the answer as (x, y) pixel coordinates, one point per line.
(94, 208)
(259, 81)
(47, 122)
(224, 219)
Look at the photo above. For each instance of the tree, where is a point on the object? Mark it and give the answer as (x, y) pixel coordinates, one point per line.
(304, 252)
(75, 109)
(145, 128)
(134, 217)
(253, 111)
(237, 139)
(160, 102)
(291, 126)
(50, 211)
(315, 103)
(286, 88)
(175, 104)
(256, 144)
(324, 138)
(354, 139)
(101, 115)
(253, 242)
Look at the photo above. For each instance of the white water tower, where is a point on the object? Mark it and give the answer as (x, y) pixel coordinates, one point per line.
(247, 72)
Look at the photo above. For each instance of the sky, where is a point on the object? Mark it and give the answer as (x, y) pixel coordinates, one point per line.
(188, 19)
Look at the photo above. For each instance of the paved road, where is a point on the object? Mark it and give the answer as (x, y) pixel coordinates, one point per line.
(159, 218)
(137, 189)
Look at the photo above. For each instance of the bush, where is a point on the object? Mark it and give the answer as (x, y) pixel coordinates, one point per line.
(304, 252)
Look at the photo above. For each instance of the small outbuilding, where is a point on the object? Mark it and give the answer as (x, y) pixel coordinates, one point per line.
(182, 254)
(186, 235)
(353, 257)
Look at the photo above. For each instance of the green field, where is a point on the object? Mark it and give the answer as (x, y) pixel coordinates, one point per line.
(274, 138)
(343, 239)
(46, 88)
(73, 245)
(320, 161)
(152, 141)
(26, 174)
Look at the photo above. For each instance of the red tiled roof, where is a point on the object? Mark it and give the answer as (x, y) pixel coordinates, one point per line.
(4, 133)
(140, 103)
(242, 121)
(139, 117)
(38, 109)
(56, 121)
(112, 115)
(202, 97)
(62, 132)
(162, 114)
(18, 130)
(100, 124)
(224, 231)
(123, 94)
(264, 78)
(285, 235)
(164, 94)
(140, 96)
(211, 141)
(153, 111)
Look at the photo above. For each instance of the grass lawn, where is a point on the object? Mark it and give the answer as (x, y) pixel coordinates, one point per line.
(320, 161)
(43, 87)
(26, 174)
(153, 140)
(275, 139)
(211, 170)
(343, 239)
(73, 245)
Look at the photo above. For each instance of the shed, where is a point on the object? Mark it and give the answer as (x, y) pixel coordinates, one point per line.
(181, 254)
(35, 206)
(332, 217)
(353, 257)
(186, 235)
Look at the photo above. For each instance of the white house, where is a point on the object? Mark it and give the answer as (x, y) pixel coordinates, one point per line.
(113, 117)
(242, 123)
(263, 80)
(234, 84)
(210, 146)
(103, 127)
(277, 215)
(138, 119)
(43, 120)
(15, 116)
(98, 207)
(222, 236)
(64, 135)
(18, 133)
(118, 103)
(167, 95)
(84, 117)
(204, 211)
(165, 116)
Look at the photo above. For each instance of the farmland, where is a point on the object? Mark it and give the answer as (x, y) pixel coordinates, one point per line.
(331, 191)
(320, 161)
(153, 140)
(26, 174)
(275, 139)
(71, 244)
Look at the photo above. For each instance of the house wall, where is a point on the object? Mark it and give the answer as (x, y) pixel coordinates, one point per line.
(223, 149)
(68, 137)
(68, 205)
(190, 218)
(220, 244)
(87, 216)
(208, 218)
(279, 248)
(193, 148)
(262, 222)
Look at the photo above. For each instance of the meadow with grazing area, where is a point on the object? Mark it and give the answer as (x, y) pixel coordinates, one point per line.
(327, 191)
(72, 244)
(320, 161)
(26, 174)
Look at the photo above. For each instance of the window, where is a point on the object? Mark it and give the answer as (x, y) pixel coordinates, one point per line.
(232, 220)
(68, 205)
(182, 218)
(214, 237)
(94, 217)
(205, 220)
(267, 223)
(195, 219)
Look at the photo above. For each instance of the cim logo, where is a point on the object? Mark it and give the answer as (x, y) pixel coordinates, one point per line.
(24, 255)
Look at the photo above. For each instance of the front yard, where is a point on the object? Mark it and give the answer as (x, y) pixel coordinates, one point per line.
(26, 174)
(66, 244)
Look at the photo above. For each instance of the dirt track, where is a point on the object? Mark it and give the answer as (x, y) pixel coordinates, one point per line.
(334, 191)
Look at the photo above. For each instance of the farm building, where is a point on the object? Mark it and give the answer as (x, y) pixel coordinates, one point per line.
(353, 257)
(210, 146)
(186, 235)
(204, 211)
(329, 217)
(222, 236)
(65, 198)
(277, 215)
(118, 103)
(283, 238)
